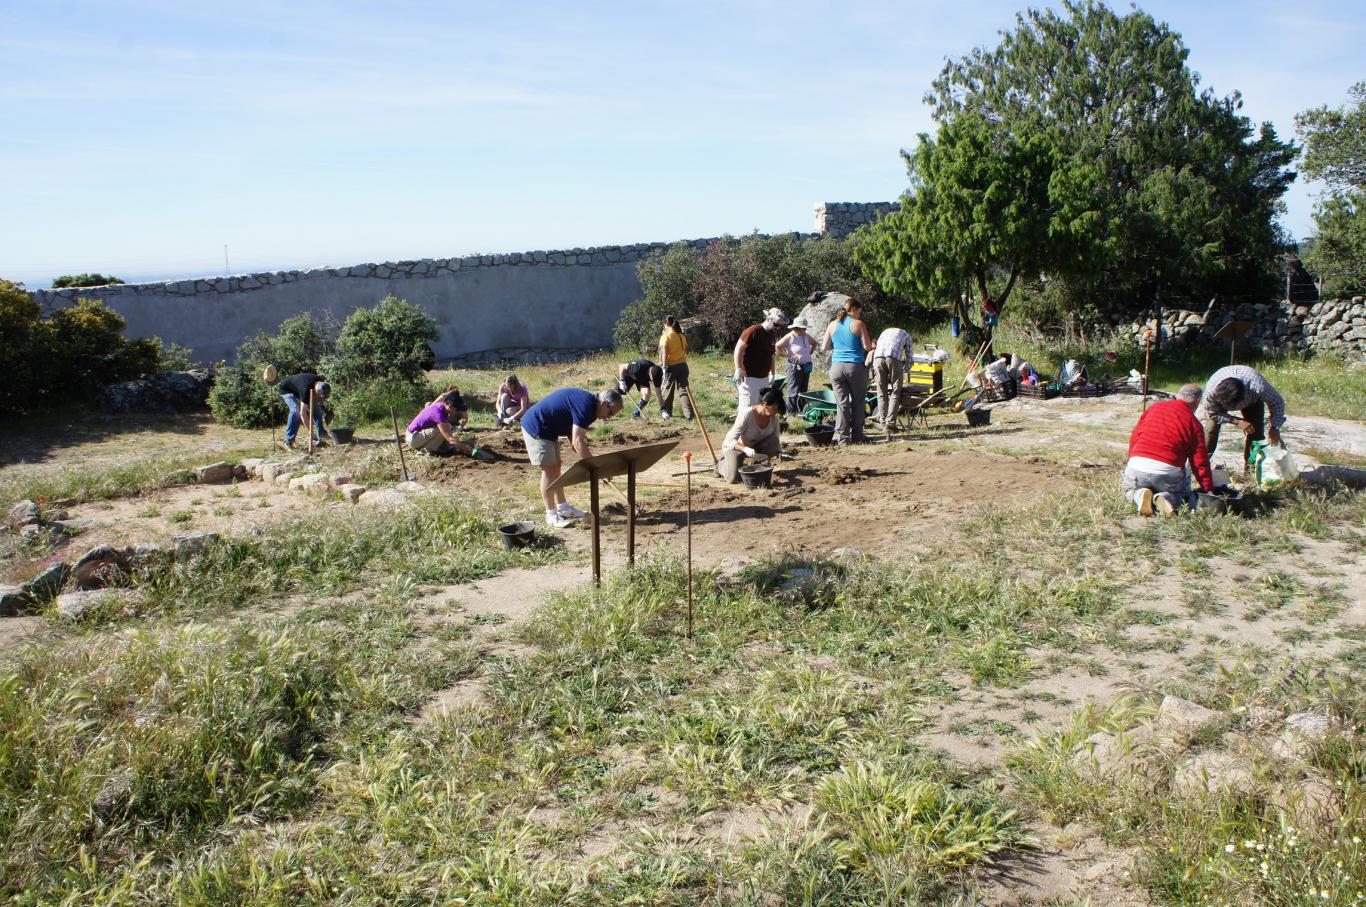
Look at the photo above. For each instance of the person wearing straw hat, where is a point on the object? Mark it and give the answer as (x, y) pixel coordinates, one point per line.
(754, 358)
(295, 391)
(796, 346)
(754, 434)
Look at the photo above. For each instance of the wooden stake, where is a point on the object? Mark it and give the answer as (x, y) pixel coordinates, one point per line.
(687, 458)
(631, 515)
(697, 414)
(308, 422)
(1147, 361)
(596, 514)
(399, 441)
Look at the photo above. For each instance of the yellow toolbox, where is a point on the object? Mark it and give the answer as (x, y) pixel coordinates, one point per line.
(925, 377)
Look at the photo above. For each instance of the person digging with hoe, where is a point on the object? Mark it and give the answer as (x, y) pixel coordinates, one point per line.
(753, 436)
(565, 413)
(642, 374)
(295, 391)
(1167, 438)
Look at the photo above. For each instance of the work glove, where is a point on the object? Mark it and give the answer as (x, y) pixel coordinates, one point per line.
(739, 377)
(748, 451)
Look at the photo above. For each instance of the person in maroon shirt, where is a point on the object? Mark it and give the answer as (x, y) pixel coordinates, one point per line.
(1166, 439)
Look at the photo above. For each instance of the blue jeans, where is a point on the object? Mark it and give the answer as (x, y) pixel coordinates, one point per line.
(296, 419)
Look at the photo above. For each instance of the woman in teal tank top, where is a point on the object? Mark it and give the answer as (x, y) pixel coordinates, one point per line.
(847, 336)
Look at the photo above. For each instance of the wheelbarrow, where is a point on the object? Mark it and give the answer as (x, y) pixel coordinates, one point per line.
(817, 406)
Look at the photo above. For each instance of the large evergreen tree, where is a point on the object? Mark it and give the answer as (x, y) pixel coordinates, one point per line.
(1150, 185)
(1335, 152)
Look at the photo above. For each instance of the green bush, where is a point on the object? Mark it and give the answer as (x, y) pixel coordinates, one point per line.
(241, 397)
(84, 280)
(370, 402)
(391, 340)
(667, 286)
(67, 356)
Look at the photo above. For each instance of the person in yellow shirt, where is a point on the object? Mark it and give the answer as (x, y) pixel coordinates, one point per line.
(673, 353)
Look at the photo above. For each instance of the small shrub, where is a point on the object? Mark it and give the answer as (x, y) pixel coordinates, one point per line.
(240, 397)
(84, 280)
(391, 340)
(370, 402)
(173, 357)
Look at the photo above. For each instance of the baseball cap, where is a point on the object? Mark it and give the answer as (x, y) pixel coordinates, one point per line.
(777, 315)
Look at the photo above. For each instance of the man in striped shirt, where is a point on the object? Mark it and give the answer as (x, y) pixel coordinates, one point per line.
(891, 358)
(1240, 388)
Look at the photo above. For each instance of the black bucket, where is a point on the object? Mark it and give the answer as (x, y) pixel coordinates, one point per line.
(820, 435)
(979, 417)
(1220, 501)
(756, 476)
(342, 435)
(517, 535)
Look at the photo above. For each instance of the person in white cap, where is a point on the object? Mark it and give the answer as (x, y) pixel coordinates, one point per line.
(796, 346)
(754, 357)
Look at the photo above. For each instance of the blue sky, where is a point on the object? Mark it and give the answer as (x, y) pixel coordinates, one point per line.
(140, 137)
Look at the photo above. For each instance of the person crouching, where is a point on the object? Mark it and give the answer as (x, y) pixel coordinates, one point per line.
(754, 434)
(431, 431)
(1166, 439)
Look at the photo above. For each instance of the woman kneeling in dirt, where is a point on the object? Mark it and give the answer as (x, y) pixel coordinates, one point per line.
(431, 432)
(754, 434)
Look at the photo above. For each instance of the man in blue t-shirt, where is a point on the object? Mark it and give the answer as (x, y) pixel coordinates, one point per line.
(565, 413)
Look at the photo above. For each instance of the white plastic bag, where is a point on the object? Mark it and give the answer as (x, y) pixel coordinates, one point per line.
(1274, 465)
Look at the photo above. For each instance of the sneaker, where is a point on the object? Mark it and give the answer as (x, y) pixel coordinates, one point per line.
(1145, 502)
(557, 520)
(1165, 504)
(569, 510)
(665, 416)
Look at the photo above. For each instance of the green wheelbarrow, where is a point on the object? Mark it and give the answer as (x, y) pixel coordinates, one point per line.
(818, 406)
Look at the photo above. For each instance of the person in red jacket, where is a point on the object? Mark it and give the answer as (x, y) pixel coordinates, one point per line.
(1167, 438)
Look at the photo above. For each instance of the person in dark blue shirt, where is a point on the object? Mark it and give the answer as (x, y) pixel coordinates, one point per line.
(565, 413)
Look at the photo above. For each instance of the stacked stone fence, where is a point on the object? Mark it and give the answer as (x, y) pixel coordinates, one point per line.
(1285, 327)
(839, 219)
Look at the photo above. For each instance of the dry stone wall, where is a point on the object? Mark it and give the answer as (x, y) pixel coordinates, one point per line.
(1330, 325)
(839, 219)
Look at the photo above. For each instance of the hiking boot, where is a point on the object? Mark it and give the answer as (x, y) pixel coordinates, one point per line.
(556, 520)
(569, 510)
(1165, 504)
(1145, 502)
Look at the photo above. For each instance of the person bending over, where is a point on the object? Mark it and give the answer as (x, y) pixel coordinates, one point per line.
(295, 391)
(642, 374)
(431, 431)
(754, 434)
(1166, 439)
(1242, 389)
(565, 413)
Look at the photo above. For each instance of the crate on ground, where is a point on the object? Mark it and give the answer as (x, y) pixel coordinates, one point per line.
(1085, 390)
(1040, 391)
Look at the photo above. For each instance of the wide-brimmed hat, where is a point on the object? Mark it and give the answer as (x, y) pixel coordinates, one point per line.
(801, 323)
(776, 314)
(270, 374)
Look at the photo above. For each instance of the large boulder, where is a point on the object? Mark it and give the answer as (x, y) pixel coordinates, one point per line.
(818, 315)
(49, 583)
(214, 474)
(163, 392)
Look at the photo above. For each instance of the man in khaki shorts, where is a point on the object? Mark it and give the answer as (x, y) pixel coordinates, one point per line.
(565, 413)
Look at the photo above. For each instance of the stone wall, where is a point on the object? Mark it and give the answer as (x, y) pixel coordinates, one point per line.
(1332, 325)
(839, 219)
(521, 306)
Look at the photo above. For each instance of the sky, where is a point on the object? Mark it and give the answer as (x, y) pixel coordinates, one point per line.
(140, 138)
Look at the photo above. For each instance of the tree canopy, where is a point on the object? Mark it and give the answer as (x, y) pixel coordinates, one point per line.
(84, 280)
(1335, 152)
(1081, 148)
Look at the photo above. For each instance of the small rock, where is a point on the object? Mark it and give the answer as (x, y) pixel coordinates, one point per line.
(253, 466)
(313, 483)
(113, 794)
(239, 473)
(1176, 713)
(48, 584)
(409, 487)
(1311, 803)
(99, 567)
(58, 515)
(1213, 771)
(144, 555)
(267, 472)
(187, 545)
(341, 478)
(1303, 732)
(14, 600)
(75, 605)
(214, 473)
(352, 492)
(282, 478)
(35, 533)
(383, 497)
(25, 513)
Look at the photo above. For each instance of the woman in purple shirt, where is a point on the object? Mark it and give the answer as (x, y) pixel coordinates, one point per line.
(430, 431)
